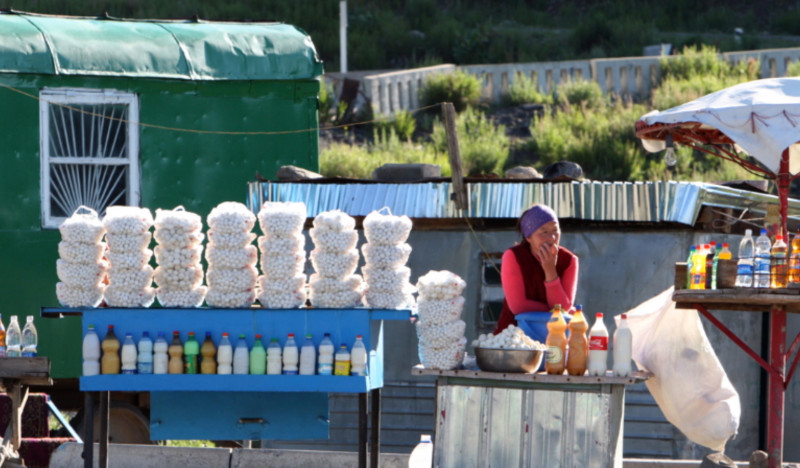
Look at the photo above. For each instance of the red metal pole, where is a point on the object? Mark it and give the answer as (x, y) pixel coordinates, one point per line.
(775, 386)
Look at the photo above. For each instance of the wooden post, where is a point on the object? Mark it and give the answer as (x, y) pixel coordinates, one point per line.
(459, 190)
(88, 430)
(102, 461)
(362, 430)
(375, 442)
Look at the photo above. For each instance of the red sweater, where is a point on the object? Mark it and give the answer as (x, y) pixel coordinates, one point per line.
(524, 286)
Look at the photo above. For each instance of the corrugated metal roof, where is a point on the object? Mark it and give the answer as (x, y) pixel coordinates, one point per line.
(677, 202)
(189, 50)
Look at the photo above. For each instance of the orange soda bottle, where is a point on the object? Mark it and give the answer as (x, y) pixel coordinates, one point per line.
(578, 345)
(779, 274)
(175, 351)
(110, 363)
(208, 365)
(556, 343)
(794, 260)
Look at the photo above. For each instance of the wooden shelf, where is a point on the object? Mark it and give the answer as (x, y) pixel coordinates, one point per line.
(539, 377)
(739, 299)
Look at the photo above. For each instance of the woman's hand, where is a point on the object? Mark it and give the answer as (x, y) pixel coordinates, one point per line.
(547, 254)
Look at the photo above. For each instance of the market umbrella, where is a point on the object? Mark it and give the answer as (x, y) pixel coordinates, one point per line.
(759, 118)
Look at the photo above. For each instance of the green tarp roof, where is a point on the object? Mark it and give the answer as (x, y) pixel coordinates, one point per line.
(189, 50)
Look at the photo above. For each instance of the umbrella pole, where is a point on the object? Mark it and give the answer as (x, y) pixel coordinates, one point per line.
(783, 180)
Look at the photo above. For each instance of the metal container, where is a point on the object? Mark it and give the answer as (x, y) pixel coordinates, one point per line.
(508, 360)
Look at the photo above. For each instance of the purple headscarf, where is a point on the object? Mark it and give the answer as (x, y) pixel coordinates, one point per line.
(534, 218)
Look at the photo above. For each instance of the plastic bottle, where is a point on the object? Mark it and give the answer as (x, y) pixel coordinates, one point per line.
(13, 338)
(175, 351)
(622, 352)
(274, 359)
(578, 345)
(725, 253)
(761, 265)
(341, 361)
(689, 266)
(698, 268)
(30, 338)
(711, 263)
(358, 357)
(109, 364)
(160, 356)
(744, 267)
(91, 352)
(144, 360)
(225, 356)
(308, 357)
(241, 357)
(129, 357)
(258, 358)
(794, 261)
(422, 455)
(779, 271)
(290, 356)
(191, 350)
(598, 347)
(325, 359)
(208, 365)
(2, 338)
(556, 342)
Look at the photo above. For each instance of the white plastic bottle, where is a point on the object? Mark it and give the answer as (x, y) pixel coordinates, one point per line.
(290, 356)
(225, 356)
(91, 352)
(325, 359)
(761, 266)
(341, 361)
(13, 338)
(30, 339)
(358, 357)
(623, 344)
(598, 347)
(308, 357)
(128, 355)
(744, 268)
(241, 357)
(274, 359)
(160, 356)
(422, 455)
(144, 359)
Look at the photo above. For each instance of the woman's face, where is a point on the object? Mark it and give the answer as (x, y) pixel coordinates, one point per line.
(549, 234)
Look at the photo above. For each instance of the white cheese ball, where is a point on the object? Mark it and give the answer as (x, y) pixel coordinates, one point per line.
(334, 220)
(231, 280)
(128, 243)
(127, 220)
(336, 300)
(282, 299)
(322, 284)
(282, 218)
(326, 240)
(82, 275)
(444, 358)
(437, 312)
(130, 279)
(178, 220)
(438, 336)
(230, 239)
(380, 229)
(75, 296)
(231, 217)
(180, 297)
(386, 256)
(79, 252)
(334, 265)
(440, 285)
(277, 266)
(132, 259)
(282, 284)
(232, 258)
(175, 258)
(378, 299)
(179, 278)
(178, 239)
(282, 245)
(82, 228)
(511, 337)
(386, 276)
(121, 297)
(230, 300)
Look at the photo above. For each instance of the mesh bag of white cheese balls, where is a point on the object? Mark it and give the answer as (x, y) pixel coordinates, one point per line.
(334, 220)
(335, 265)
(127, 220)
(326, 240)
(285, 265)
(284, 284)
(282, 299)
(84, 275)
(178, 220)
(230, 239)
(129, 259)
(130, 279)
(439, 311)
(128, 243)
(76, 296)
(78, 252)
(282, 245)
(176, 239)
(84, 227)
(323, 284)
(438, 336)
(387, 279)
(386, 256)
(116, 296)
(336, 300)
(230, 300)
(232, 258)
(448, 357)
(179, 278)
(231, 280)
(380, 229)
(172, 258)
(181, 297)
(380, 299)
(440, 285)
(231, 217)
(512, 337)
(282, 218)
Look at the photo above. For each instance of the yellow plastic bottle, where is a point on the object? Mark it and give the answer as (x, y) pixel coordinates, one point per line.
(175, 351)
(779, 277)
(556, 343)
(794, 260)
(208, 350)
(578, 345)
(110, 363)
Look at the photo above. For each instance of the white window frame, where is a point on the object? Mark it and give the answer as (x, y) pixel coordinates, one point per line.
(86, 96)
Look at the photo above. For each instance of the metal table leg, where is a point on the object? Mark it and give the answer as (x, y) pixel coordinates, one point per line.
(775, 386)
(362, 430)
(103, 455)
(88, 430)
(375, 430)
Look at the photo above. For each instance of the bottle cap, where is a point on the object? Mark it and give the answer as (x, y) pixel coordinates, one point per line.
(713, 243)
(258, 336)
(291, 335)
(224, 333)
(725, 245)
(692, 248)
(779, 237)
(208, 334)
(358, 337)
(176, 333)
(91, 327)
(748, 232)
(274, 339)
(129, 335)
(624, 316)
(145, 334)
(599, 315)
(241, 336)
(191, 333)
(763, 232)
(111, 327)
(578, 307)
(308, 336)
(706, 246)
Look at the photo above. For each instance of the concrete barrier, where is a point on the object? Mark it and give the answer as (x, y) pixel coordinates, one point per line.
(274, 458)
(69, 455)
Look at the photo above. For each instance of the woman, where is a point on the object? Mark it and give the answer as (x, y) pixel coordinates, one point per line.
(537, 273)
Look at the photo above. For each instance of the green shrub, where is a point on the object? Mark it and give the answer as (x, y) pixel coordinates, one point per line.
(460, 88)
(525, 90)
(402, 123)
(325, 102)
(483, 147)
(582, 93)
(793, 69)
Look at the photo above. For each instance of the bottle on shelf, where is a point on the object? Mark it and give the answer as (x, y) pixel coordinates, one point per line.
(308, 357)
(779, 270)
(325, 359)
(175, 351)
(13, 338)
(258, 358)
(689, 266)
(794, 260)
(622, 352)
(341, 361)
(225, 356)
(2, 338)
(91, 352)
(598, 347)
(241, 357)
(191, 349)
(290, 356)
(725, 253)
(422, 455)
(129, 357)
(761, 265)
(208, 365)
(556, 342)
(578, 345)
(711, 262)
(745, 265)
(160, 356)
(698, 268)
(30, 338)
(274, 358)
(110, 364)
(358, 357)
(144, 360)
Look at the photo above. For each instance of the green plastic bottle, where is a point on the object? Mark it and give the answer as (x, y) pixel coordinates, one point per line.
(190, 351)
(258, 358)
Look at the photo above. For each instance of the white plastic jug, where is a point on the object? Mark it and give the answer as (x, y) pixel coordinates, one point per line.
(358, 357)
(91, 352)
(144, 364)
(160, 356)
(274, 359)
(241, 357)
(290, 356)
(623, 343)
(598, 347)
(325, 360)
(128, 355)
(225, 356)
(308, 357)
(422, 455)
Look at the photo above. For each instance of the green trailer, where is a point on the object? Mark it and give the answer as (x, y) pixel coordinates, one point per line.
(101, 111)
